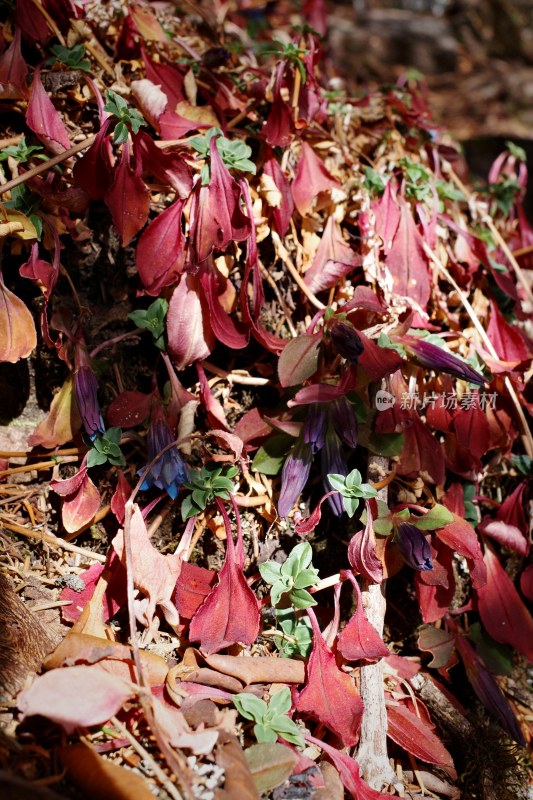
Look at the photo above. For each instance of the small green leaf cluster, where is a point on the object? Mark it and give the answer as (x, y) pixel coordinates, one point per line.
(22, 152)
(383, 525)
(270, 719)
(153, 319)
(205, 485)
(417, 179)
(128, 118)
(288, 51)
(235, 154)
(71, 57)
(352, 490)
(105, 449)
(295, 638)
(374, 182)
(292, 578)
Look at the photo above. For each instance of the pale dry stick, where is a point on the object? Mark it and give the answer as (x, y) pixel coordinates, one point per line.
(284, 256)
(489, 222)
(240, 377)
(527, 437)
(69, 451)
(372, 754)
(46, 165)
(38, 466)
(48, 538)
(50, 21)
(145, 755)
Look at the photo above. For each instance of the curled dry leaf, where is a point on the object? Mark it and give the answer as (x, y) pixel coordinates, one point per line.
(63, 420)
(259, 669)
(18, 336)
(96, 776)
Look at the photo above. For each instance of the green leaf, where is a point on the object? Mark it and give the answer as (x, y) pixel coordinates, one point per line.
(498, 658)
(351, 504)
(188, 509)
(280, 703)
(300, 598)
(383, 526)
(249, 706)
(264, 734)
(305, 578)
(288, 730)
(337, 482)
(95, 458)
(270, 457)
(436, 517)
(270, 571)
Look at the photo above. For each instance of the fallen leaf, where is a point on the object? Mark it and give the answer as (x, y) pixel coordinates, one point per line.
(414, 735)
(239, 781)
(63, 420)
(75, 697)
(18, 336)
(128, 198)
(311, 178)
(348, 770)
(13, 71)
(96, 776)
(44, 120)
(259, 669)
(270, 763)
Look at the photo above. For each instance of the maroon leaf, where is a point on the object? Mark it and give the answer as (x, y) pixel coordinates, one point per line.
(526, 582)
(41, 271)
(279, 126)
(167, 77)
(129, 409)
(166, 166)
(502, 611)
(348, 770)
(472, 429)
(31, 21)
(13, 71)
(230, 612)
(160, 255)
(333, 259)
(421, 451)
(359, 639)
(225, 329)
(114, 596)
(282, 214)
(407, 261)
(415, 736)
(362, 551)
(434, 598)
(193, 586)
(330, 694)
(43, 119)
(94, 170)
(311, 179)
(189, 331)
(216, 216)
(506, 339)
(387, 213)
(128, 198)
(378, 361)
(120, 497)
(461, 537)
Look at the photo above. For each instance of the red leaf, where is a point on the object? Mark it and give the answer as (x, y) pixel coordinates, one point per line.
(31, 21)
(224, 328)
(407, 261)
(13, 71)
(193, 586)
(502, 611)
(283, 214)
(189, 331)
(160, 255)
(299, 359)
(82, 500)
(434, 599)
(94, 170)
(472, 429)
(230, 612)
(128, 198)
(121, 496)
(167, 77)
(43, 119)
(421, 451)
(41, 271)
(526, 582)
(76, 697)
(348, 770)
(333, 259)
(330, 694)
(359, 639)
(378, 361)
(18, 336)
(387, 213)
(216, 216)
(279, 126)
(507, 535)
(129, 409)
(362, 551)
(311, 179)
(166, 166)
(153, 573)
(415, 736)
(506, 339)
(115, 595)
(461, 537)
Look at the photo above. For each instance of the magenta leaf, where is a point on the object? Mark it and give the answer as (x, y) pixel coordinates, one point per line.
(359, 639)
(311, 179)
(13, 71)
(189, 331)
(160, 254)
(128, 198)
(44, 120)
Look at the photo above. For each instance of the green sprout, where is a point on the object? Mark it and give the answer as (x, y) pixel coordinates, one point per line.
(270, 719)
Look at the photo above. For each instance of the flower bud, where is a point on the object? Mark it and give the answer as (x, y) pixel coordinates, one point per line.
(170, 470)
(294, 476)
(85, 389)
(346, 341)
(434, 357)
(344, 421)
(314, 429)
(413, 546)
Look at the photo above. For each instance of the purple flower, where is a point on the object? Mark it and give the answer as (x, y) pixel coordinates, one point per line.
(294, 476)
(333, 462)
(346, 341)
(170, 470)
(344, 421)
(86, 391)
(413, 546)
(314, 429)
(434, 357)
